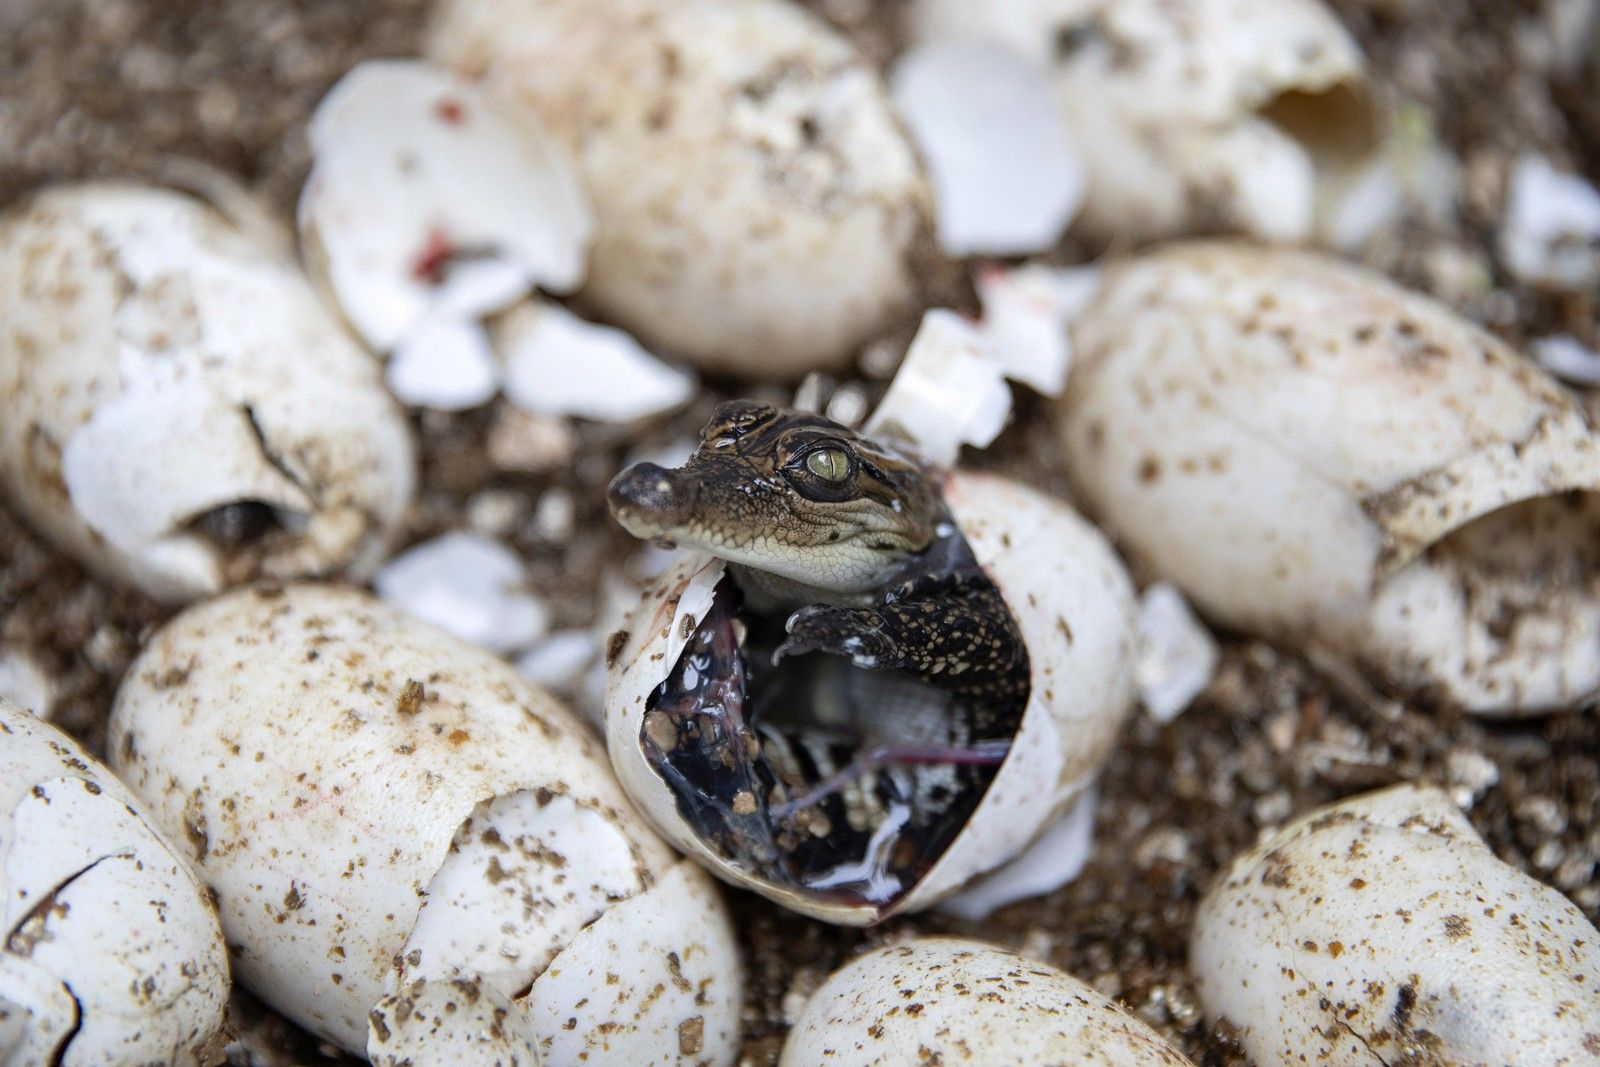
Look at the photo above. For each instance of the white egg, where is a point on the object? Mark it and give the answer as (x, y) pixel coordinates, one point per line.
(113, 954)
(1316, 455)
(376, 803)
(954, 1002)
(1382, 928)
(176, 407)
(1249, 114)
(1074, 607)
(758, 209)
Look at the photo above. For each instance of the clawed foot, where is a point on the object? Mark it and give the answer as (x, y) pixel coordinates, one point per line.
(857, 633)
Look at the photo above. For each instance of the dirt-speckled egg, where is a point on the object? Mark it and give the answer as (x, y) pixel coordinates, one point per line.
(1317, 455)
(758, 208)
(177, 409)
(376, 803)
(954, 1002)
(112, 954)
(1382, 929)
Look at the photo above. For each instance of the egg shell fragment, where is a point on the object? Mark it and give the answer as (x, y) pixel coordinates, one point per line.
(758, 208)
(342, 772)
(1006, 176)
(157, 367)
(1550, 233)
(112, 952)
(1383, 927)
(37, 1014)
(949, 1001)
(1246, 114)
(950, 391)
(471, 586)
(1074, 605)
(558, 364)
(1312, 453)
(25, 682)
(427, 201)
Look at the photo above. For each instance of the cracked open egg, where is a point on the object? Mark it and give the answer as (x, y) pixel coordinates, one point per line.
(870, 683)
(1191, 115)
(177, 409)
(111, 951)
(1313, 453)
(409, 843)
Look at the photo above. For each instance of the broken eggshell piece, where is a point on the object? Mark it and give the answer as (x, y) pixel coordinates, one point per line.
(558, 364)
(1383, 925)
(112, 953)
(1006, 177)
(758, 208)
(1249, 114)
(950, 1001)
(471, 586)
(426, 202)
(26, 683)
(1550, 236)
(1313, 453)
(375, 803)
(950, 391)
(176, 407)
(1073, 606)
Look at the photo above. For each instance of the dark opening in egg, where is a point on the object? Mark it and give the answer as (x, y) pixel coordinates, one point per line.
(823, 773)
(239, 523)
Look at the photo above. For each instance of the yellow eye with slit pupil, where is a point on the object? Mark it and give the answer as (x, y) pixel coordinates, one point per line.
(829, 464)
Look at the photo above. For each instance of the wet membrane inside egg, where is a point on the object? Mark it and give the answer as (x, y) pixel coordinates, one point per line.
(841, 781)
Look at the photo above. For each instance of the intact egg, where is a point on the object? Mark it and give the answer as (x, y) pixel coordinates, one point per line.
(1382, 926)
(949, 1001)
(758, 209)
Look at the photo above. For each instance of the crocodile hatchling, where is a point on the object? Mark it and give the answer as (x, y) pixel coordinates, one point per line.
(858, 669)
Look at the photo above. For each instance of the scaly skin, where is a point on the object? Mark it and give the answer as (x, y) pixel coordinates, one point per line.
(852, 538)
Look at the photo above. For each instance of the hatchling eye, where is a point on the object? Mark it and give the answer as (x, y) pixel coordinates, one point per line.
(829, 464)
